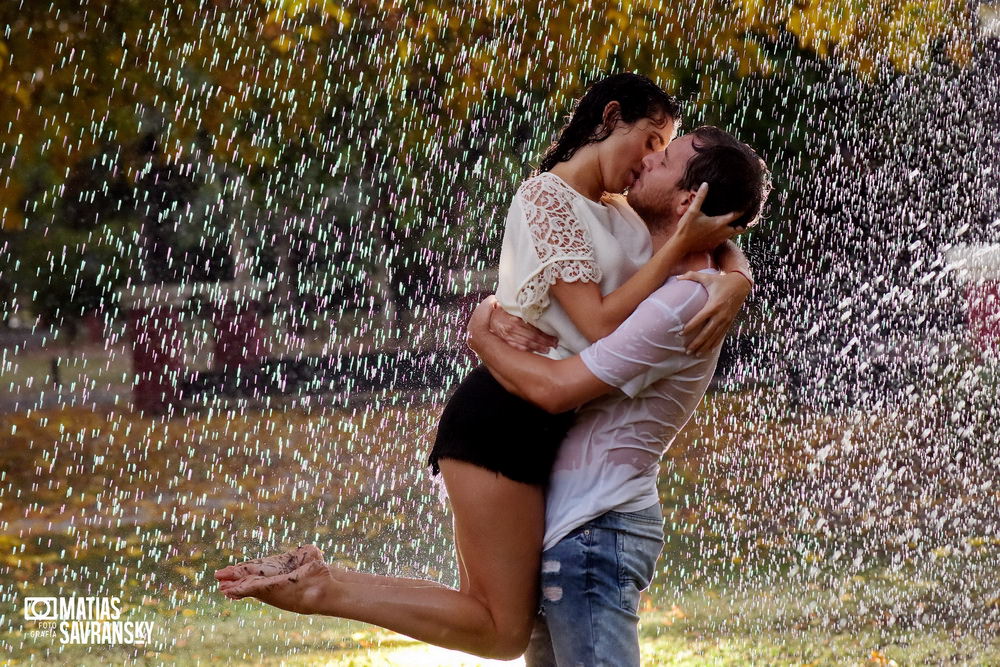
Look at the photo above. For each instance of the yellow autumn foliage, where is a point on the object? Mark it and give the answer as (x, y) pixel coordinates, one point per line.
(67, 89)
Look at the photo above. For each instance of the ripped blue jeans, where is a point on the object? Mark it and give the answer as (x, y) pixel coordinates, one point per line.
(591, 581)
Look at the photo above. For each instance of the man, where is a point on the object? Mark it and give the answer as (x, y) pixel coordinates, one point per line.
(604, 526)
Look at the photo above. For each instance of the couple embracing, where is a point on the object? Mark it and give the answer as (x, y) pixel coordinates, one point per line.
(598, 346)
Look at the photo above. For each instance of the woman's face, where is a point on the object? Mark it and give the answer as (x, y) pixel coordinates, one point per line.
(623, 151)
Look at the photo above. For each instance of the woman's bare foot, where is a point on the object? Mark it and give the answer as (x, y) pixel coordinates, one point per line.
(271, 566)
(308, 589)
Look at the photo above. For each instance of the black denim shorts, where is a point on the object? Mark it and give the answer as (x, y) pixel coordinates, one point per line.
(486, 425)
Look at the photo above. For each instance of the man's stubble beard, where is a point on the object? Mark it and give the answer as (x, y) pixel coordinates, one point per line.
(652, 210)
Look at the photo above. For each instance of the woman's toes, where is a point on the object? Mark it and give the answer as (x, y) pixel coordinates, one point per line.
(309, 552)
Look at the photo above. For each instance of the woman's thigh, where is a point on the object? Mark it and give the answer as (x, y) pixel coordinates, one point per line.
(499, 526)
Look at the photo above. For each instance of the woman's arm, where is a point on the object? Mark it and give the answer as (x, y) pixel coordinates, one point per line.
(726, 294)
(730, 259)
(596, 315)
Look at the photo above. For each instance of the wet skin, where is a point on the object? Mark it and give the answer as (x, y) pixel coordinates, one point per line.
(296, 580)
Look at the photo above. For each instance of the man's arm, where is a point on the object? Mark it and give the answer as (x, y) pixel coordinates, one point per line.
(553, 385)
(648, 346)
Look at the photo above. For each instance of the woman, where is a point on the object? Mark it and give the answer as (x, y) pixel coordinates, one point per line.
(574, 263)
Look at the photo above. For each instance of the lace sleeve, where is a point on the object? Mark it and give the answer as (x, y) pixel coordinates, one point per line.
(561, 240)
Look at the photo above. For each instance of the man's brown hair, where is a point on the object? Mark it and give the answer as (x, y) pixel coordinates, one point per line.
(738, 179)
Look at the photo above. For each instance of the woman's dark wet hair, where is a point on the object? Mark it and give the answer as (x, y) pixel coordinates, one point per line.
(638, 98)
(738, 179)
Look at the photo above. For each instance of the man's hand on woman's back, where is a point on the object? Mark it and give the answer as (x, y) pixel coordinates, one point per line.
(511, 329)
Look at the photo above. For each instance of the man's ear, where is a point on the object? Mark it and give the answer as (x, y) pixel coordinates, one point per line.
(684, 200)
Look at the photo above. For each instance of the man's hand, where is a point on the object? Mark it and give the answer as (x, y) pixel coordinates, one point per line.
(478, 327)
(519, 334)
(726, 294)
(514, 331)
(697, 232)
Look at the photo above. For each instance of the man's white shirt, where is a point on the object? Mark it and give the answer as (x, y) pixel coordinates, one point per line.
(610, 459)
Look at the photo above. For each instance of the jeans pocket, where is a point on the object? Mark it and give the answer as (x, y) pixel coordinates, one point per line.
(637, 558)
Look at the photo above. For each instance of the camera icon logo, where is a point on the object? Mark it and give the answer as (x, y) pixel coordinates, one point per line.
(41, 609)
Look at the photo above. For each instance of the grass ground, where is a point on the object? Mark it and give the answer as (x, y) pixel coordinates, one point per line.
(788, 543)
(696, 629)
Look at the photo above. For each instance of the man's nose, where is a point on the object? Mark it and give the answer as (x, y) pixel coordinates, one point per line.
(650, 160)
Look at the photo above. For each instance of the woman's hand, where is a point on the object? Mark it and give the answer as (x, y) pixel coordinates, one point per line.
(519, 334)
(697, 232)
(726, 294)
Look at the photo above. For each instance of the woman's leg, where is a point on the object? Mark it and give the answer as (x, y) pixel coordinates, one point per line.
(498, 533)
(353, 575)
(499, 527)
(285, 563)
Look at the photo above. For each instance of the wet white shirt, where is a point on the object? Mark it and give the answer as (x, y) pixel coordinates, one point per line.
(555, 233)
(610, 459)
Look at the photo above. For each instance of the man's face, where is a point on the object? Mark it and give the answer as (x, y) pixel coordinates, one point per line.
(655, 195)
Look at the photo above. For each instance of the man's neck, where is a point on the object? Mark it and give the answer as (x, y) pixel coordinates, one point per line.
(660, 231)
(692, 262)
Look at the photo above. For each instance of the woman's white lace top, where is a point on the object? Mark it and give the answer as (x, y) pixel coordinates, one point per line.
(555, 233)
